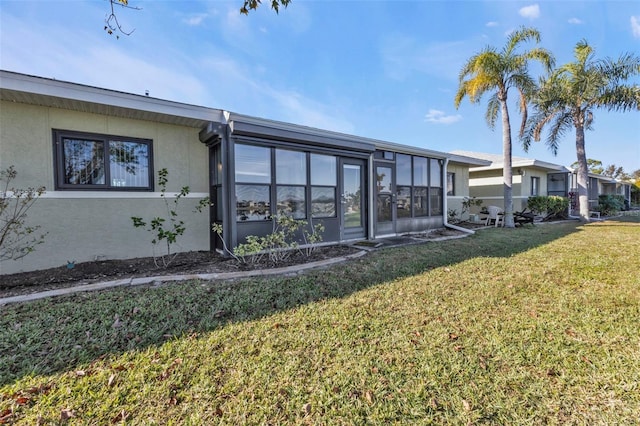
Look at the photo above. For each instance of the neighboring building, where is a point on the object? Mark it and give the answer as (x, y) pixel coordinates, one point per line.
(98, 153)
(458, 182)
(530, 177)
(600, 185)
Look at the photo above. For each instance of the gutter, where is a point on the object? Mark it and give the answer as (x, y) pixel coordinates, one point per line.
(445, 205)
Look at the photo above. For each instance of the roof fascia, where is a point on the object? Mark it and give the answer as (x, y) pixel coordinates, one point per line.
(50, 88)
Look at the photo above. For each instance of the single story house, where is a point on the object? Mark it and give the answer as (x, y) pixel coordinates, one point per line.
(599, 185)
(98, 153)
(530, 177)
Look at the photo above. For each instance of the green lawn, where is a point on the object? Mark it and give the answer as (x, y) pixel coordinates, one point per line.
(538, 325)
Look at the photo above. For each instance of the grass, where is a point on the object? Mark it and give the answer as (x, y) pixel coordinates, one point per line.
(537, 325)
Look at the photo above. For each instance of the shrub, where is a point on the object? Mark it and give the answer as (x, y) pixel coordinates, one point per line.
(167, 229)
(610, 204)
(17, 239)
(279, 244)
(553, 206)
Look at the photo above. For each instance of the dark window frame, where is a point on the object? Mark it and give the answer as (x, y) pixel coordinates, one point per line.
(58, 161)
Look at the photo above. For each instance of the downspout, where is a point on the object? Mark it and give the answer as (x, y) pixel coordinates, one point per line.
(445, 204)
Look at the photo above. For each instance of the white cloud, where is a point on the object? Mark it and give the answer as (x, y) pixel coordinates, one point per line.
(491, 24)
(195, 20)
(635, 26)
(575, 21)
(531, 12)
(439, 117)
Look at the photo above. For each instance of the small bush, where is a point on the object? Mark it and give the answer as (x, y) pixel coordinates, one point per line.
(17, 238)
(278, 245)
(552, 206)
(610, 204)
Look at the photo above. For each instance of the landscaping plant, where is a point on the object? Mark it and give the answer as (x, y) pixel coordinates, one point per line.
(552, 206)
(279, 244)
(17, 238)
(166, 229)
(610, 204)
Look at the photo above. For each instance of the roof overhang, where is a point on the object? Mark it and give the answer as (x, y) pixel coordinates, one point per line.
(26, 89)
(243, 125)
(525, 163)
(469, 161)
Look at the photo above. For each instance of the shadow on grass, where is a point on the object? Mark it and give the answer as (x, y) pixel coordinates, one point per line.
(64, 333)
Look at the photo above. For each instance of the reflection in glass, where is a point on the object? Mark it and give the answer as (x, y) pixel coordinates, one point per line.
(129, 164)
(252, 202)
(291, 167)
(403, 169)
(351, 198)
(404, 201)
(83, 162)
(436, 173)
(420, 171)
(420, 200)
(323, 201)
(253, 164)
(383, 188)
(436, 201)
(323, 170)
(291, 201)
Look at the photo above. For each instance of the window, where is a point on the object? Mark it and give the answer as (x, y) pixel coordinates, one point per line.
(403, 201)
(253, 179)
(435, 187)
(451, 183)
(403, 169)
(535, 186)
(253, 164)
(323, 185)
(87, 161)
(252, 202)
(291, 169)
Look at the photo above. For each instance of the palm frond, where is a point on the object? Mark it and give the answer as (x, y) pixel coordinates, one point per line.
(559, 126)
(493, 107)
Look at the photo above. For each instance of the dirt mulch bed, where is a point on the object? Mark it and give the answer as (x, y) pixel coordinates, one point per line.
(199, 262)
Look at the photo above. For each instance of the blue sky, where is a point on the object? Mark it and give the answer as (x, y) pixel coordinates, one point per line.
(381, 69)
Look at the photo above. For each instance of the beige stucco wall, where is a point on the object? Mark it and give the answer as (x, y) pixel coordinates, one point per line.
(487, 185)
(461, 186)
(85, 225)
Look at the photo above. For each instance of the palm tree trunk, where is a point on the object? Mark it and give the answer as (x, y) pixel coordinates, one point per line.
(583, 177)
(507, 172)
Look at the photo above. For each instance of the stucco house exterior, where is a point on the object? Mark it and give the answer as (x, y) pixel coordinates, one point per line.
(530, 177)
(98, 153)
(599, 185)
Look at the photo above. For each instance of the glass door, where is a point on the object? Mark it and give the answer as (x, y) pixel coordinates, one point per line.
(385, 200)
(352, 199)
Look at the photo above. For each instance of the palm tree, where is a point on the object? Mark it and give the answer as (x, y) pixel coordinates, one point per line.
(491, 70)
(569, 96)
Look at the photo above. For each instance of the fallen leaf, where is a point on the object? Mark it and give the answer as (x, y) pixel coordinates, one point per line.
(453, 336)
(307, 408)
(466, 405)
(80, 373)
(22, 400)
(121, 417)
(116, 322)
(111, 380)
(368, 395)
(66, 414)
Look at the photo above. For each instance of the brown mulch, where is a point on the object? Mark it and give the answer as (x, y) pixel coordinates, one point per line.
(195, 262)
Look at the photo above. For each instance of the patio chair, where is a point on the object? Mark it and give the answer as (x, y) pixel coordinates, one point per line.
(495, 214)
